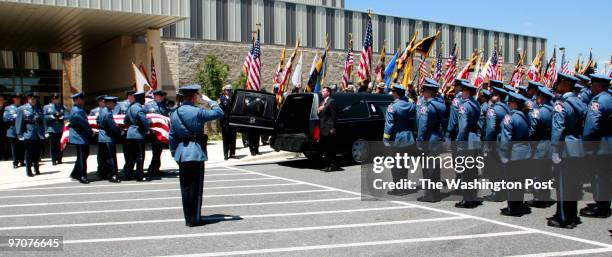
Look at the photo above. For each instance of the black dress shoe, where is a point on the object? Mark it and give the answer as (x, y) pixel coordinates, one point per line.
(53, 163)
(326, 169)
(143, 179)
(468, 204)
(540, 204)
(59, 162)
(114, 179)
(195, 224)
(516, 212)
(83, 180)
(30, 174)
(558, 223)
(428, 199)
(595, 212)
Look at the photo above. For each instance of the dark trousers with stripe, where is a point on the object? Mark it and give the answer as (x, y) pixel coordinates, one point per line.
(568, 189)
(108, 153)
(32, 154)
(80, 166)
(17, 150)
(136, 155)
(54, 147)
(191, 176)
(156, 151)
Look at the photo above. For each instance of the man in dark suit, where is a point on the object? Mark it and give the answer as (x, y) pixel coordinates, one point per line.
(327, 121)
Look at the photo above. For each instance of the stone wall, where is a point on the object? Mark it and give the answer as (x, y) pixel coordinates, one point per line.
(182, 57)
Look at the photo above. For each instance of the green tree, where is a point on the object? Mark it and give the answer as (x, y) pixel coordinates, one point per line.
(211, 74)
(241, 82)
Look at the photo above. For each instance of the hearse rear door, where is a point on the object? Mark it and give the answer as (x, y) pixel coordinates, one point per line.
(253, 110)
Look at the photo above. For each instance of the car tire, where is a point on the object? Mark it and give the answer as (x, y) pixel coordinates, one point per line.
(313, 156)
(358, 150)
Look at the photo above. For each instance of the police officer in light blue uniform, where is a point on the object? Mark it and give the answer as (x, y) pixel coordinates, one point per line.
(80, 133)
(468, 140)
(54, 120)
(158, 106)
(451, 128)
(515, 152)
(498, 109)
(138, 128)
(540, 128)
(9, 117)
(484, 99)
(399, 124)
(597, 135)
(188, 146)
(125, 104)
(109, 135)
(30, 128)
(430, 135)
(567, 149)
(584, 93)
(101, 105)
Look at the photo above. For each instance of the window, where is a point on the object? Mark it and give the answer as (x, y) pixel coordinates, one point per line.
(356, 110)
(348, 26)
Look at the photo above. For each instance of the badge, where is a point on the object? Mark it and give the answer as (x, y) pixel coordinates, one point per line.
(559, 107)
(507, 119)
(461, 109)
(455, 102)
(490, 112)
(535, 113)
(595, 106)
(390, 108)
(423, 109)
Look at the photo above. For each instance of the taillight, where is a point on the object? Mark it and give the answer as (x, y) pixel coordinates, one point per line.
(316, 133)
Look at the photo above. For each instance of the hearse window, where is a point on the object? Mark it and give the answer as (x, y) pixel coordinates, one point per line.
(357, 110)
(379, 109)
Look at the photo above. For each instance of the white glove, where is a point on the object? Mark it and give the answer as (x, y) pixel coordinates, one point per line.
(504, 160)
(555, 158)
(206, 99)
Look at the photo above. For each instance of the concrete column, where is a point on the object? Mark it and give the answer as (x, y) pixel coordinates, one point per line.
(511, 50)
(375, 32)
(458, 42)
(446, 40)
(404, 33)
(154, 49)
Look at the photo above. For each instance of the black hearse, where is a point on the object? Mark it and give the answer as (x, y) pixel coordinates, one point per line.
(295, 127)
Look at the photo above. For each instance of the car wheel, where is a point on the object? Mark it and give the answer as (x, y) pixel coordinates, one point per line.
(313, 156)
(358, 150)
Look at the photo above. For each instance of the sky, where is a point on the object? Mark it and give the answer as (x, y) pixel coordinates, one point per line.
(575, 25)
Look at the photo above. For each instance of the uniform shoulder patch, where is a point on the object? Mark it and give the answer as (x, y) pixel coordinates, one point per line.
(559, 107)
(423, 109)
(490, 112)
(461, 109)
(595, 106)
(535, 113)
(507, 119)
(390, 108)
(455, 102)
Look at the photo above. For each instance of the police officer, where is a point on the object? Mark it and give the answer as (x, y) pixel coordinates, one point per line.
(54, 117)
(584, 93)
(484, 99)
(430, 135)
(101, 105)
(567, 149)
(109, 135)
(451, 128)
(125, 104)
(597, 135)
(9, 117)
(539, 133)
(399, 123)
(30, 128)
(79, 135)
(228, 133)
(138, 128)
(188, 146)
(498, 109)
(515, 152)
(158, 106)
(4, 150)
(468, 140)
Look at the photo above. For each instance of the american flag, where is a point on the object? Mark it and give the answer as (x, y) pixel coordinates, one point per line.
(492, 69)
(363, 73)
(348, 68)
(247, 62)
(500, 67)
(550, 77)
(153, 74)
(254, 78)
(451, 69)
(437, 74)
(422, 71)
(564, 64)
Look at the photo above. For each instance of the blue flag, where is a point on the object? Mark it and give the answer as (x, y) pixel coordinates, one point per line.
(389, 72)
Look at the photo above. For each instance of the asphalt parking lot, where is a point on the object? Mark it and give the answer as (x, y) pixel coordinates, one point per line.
(281, 209)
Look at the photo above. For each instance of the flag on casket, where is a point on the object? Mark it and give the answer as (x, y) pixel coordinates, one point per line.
(160, 127)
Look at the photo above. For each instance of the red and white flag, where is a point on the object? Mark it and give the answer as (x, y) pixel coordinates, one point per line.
(254, 76)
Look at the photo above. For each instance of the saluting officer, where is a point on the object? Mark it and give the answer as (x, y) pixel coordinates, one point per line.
(109, 135)
(567, 149)
(598, 137)
(430, 135)
(9, 117)
(468, 140)
(539, 132)
(158, 106)
(584, 93)
(54, 118)
(101, 105)
(138, 127)
(30, 128)
(399, 123)
(79, 135)
(515, 152)
(228, 133)
(188, 146)
(498, 109)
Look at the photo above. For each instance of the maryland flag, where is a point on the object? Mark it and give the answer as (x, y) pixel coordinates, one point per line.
(590, 66)
(469, 66)
(287, 72)
(536, 66)
(317, 73)
(424, 45)
(519, 71)
(577, 66)
(379, 70)
(402, 60)
(279, 69)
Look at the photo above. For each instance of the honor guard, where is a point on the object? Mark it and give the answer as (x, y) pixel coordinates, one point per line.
(584, 93)
(515, 151)
(109, 135)
(101, 105)
(567, 149)
(451, 128)
(125, 104)
(484, 99)
(399, 123)
(539, 133)
(138, 128)
(9, 117)
(468, 139)
(597, 135)
(188, 147)
(498, 109)
(54, 117)
(79, 135)
(30, 128)
(228, 133)
(158, 106)
(430, 135)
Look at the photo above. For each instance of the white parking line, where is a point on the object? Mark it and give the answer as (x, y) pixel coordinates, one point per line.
(260, 231)
(159, 198)
(567, 253)
(205, 218)
(572, 238)
(358, 244)
(138, 191)
(176, 207)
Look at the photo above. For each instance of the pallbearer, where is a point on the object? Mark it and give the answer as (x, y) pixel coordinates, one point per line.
(158, 106)
(101, 105)
(138, 128)
(108, 136)
(188, 146)
(30, 129)
(80, 132)
(54, 118)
